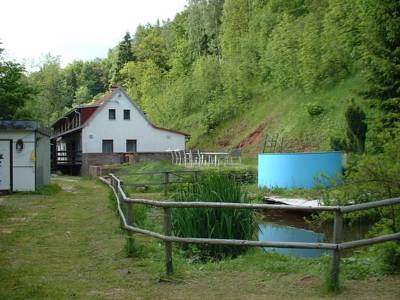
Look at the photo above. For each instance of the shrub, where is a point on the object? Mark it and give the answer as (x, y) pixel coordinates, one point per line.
(315, 110)
(356, 128)
(389, 253)
(211, 222)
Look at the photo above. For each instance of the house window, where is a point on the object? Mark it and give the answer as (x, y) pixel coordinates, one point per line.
(111, 114)
(127, 114)
(131, 146)
(108, 146)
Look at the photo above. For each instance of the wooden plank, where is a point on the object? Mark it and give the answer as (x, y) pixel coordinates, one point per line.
(232, 242)
(174, 204)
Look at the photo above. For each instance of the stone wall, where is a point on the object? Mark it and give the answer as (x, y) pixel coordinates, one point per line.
(101, 159)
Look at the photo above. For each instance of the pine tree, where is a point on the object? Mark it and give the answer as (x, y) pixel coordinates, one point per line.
(382, 35)
(125, 54)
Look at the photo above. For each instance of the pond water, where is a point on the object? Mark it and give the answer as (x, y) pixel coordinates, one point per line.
(284, 226)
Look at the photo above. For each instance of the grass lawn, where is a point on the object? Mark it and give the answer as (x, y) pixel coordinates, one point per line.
(69, 246)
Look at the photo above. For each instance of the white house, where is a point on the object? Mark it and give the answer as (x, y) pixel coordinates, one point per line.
(24, 156)
(99, 133)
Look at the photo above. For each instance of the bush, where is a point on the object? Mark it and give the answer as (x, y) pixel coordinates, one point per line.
(211, 222)
(389, 253)
(315, 110)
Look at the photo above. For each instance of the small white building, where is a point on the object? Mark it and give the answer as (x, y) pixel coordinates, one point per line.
(100, 133)
(24, 156)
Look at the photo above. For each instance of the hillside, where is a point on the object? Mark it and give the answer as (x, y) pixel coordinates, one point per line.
(284, 115)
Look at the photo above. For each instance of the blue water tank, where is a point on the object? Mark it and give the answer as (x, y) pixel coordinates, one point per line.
(299, 170)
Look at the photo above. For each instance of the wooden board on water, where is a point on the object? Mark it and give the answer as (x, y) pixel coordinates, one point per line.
(292, 201)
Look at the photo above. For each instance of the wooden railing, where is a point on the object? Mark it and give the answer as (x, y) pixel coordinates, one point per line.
(337, 246)
(68, 157)
(167, 178)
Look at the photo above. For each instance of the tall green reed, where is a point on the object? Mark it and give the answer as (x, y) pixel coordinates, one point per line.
(214, 222)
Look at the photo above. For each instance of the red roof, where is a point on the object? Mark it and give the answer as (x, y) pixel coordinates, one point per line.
(103, 99)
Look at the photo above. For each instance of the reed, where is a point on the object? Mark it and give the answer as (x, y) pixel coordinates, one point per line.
(212, 222)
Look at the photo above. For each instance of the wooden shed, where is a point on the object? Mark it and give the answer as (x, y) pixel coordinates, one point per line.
(24, 156)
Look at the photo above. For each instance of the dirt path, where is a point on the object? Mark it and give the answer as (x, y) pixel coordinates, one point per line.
(69, 246)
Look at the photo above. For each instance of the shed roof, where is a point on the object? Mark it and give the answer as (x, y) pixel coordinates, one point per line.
(23, 125)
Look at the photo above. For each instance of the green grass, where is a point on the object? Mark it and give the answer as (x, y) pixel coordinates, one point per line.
(69, 246)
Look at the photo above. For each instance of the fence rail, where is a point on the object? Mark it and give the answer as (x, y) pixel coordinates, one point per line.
(336, 246)
(167, 178)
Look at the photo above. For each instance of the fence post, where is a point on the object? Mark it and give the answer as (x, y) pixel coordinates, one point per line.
(129, 217)
(120, 201)
(168, 245)
(196, 176)
(166, 183)
(337, 239)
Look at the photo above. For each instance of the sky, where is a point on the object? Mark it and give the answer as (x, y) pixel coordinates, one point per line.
(74, 29)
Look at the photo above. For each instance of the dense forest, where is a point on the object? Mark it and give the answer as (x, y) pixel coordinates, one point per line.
(231, 71)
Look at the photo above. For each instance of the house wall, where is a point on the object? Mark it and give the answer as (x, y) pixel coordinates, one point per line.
(149, 139)
(23, 164)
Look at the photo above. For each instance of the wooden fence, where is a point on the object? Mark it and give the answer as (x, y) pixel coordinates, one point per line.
(167, 178)
(336, 246)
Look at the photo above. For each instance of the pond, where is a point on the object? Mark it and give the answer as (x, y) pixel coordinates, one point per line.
(284, 226)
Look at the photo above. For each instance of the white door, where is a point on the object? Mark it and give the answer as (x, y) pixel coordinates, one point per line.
(5, 165)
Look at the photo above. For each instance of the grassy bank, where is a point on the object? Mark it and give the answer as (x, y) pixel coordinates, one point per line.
(68, 246)
(285, 113)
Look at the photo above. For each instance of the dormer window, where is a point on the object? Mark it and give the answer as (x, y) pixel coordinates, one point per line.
(127, 114)
(111, 114)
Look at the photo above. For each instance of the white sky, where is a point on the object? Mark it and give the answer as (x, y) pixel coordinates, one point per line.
(74, 29)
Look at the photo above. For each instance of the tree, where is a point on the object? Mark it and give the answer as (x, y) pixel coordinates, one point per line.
(124, 55)
(382, 56)
(356, 128)
(14, 89)
(53, 96)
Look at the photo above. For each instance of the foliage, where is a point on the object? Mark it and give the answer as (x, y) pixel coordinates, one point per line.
(356, 131)
(356, 128)
(212, 222)
(314, 110)
(388, 253)
(381, 35)
(124, 55)
(14, 89)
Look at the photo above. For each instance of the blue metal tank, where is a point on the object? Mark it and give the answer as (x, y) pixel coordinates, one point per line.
(299, 170)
